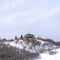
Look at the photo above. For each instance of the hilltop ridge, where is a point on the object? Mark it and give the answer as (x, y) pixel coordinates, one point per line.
(28, 45)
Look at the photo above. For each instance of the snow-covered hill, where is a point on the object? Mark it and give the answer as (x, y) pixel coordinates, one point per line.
(46, 50)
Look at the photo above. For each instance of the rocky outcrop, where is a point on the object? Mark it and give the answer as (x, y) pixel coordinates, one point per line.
(29, 38)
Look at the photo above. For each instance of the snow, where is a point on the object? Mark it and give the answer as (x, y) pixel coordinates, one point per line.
(21, 45)
(15, 45)
(44, 56)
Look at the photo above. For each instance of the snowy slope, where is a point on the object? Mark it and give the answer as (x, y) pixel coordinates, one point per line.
(22, 45)
(45, 56)
(46, 50)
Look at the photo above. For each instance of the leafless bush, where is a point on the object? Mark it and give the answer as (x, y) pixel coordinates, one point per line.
(11, 53)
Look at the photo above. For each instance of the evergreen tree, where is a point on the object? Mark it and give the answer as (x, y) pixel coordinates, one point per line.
(21, 37)
(16, 38)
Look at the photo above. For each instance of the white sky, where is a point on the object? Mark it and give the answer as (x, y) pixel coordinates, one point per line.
(39, 17)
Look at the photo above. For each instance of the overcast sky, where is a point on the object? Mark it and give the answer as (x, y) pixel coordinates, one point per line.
(39, 17)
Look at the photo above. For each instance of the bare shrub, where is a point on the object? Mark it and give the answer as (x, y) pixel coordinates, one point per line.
(11, 53)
